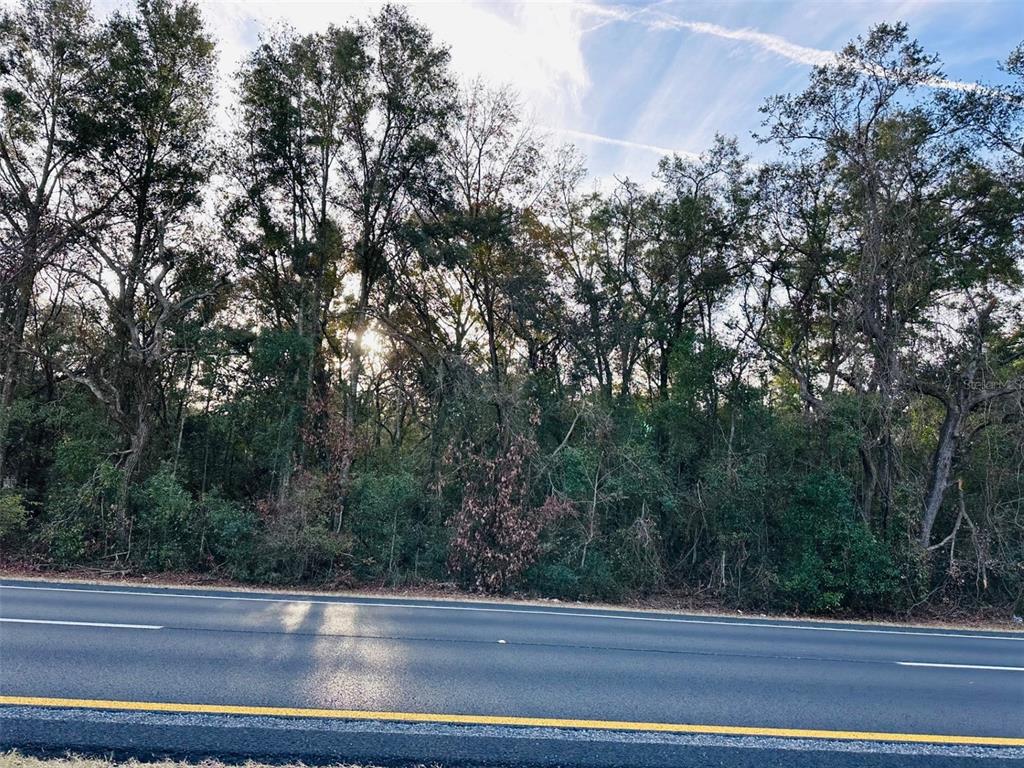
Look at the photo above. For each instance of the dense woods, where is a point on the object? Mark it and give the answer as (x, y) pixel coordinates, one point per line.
(374, 328)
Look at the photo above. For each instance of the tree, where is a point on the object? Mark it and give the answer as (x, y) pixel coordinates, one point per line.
(705, 211)
(398, 93)
(491, 164)
(144, 264)
(797, 284)
(920, 218)
(47, 53)
(282, 212)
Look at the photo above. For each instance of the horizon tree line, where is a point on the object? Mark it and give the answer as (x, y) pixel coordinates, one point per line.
(378, 329)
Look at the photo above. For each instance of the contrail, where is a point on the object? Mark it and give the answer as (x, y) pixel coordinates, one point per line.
(621, 142)
(801, 54)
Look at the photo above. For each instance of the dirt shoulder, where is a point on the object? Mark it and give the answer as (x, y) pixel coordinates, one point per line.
(670, 603)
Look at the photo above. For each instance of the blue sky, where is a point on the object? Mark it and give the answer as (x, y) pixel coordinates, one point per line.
(627, 81)
(654, 80)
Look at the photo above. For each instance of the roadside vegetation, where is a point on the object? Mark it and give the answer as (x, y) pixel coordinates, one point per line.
(374, 329)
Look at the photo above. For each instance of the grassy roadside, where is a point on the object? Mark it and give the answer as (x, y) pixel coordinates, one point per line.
(15, 759)
(662, 603)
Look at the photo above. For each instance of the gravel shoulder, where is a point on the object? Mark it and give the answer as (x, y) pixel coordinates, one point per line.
(16, 759)
(257, 741)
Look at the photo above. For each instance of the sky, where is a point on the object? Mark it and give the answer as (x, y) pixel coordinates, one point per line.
(628, 83)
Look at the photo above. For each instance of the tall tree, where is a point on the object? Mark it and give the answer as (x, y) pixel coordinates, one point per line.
(145, 265)
(705, 211)
(921, 218)
(47, 54)
(398, 93)
(282, 213)
(490, 158)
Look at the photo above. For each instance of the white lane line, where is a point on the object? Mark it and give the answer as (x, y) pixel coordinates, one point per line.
(958, 666)
(535, 611)
(80, 623)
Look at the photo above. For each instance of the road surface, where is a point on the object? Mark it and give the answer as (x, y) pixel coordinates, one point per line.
(322, 678)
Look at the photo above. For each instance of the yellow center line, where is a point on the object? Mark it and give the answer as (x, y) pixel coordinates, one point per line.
(537, 722)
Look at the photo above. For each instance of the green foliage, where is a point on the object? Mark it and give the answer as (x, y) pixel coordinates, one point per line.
(637, 564)
(594, 579)
(229, 535)
(83, 486)
(829, 559)
(166, 522)
(382, 511)
(556, 580)
(295, 541)
(378, 364)
(597, 579)
(13, 518)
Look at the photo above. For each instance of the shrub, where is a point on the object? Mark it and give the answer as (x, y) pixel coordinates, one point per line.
(77, 511)
(381, 519)
(496, 531)
(295, 540)
(164, 522)
(229, 535)
(553, 580)
(598, 580)
(563, 574)
(13, 518)
(830, 560)
(637, 561)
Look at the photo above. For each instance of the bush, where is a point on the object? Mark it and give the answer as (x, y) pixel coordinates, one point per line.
(165, 522)
(553, 580)
(13, 518)
(830, 560)
(496, 531)
(229, 535)
(598, 580)
(637, 562)
(594, 579)
(77, 512)
(295, 542)
(381, 519)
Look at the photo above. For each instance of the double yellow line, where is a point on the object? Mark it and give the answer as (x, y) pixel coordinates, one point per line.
(537, 722)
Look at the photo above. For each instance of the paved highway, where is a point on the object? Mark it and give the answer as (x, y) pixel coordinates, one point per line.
(323, 678)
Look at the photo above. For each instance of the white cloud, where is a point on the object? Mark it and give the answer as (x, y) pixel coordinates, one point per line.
(534, 47)
(537, 48)
(778, 45)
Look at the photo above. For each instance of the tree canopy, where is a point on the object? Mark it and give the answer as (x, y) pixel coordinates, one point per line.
(378, 328)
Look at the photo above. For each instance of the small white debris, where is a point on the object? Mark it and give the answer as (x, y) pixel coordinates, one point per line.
(501, 642)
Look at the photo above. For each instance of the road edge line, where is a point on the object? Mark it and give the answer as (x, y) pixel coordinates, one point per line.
(499, 720)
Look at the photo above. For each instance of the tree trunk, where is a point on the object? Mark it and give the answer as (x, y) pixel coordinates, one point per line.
(137, 442)
(438, 427)
(665, 350)
(352, 400)
(492, 352)
(12, 356)
(938, 477)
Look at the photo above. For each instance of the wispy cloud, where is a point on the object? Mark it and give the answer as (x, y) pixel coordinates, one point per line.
(773, 43)
(800, 54)
(584, 136)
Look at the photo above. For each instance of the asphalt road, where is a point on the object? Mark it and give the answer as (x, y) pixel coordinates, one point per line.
(393, 681)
